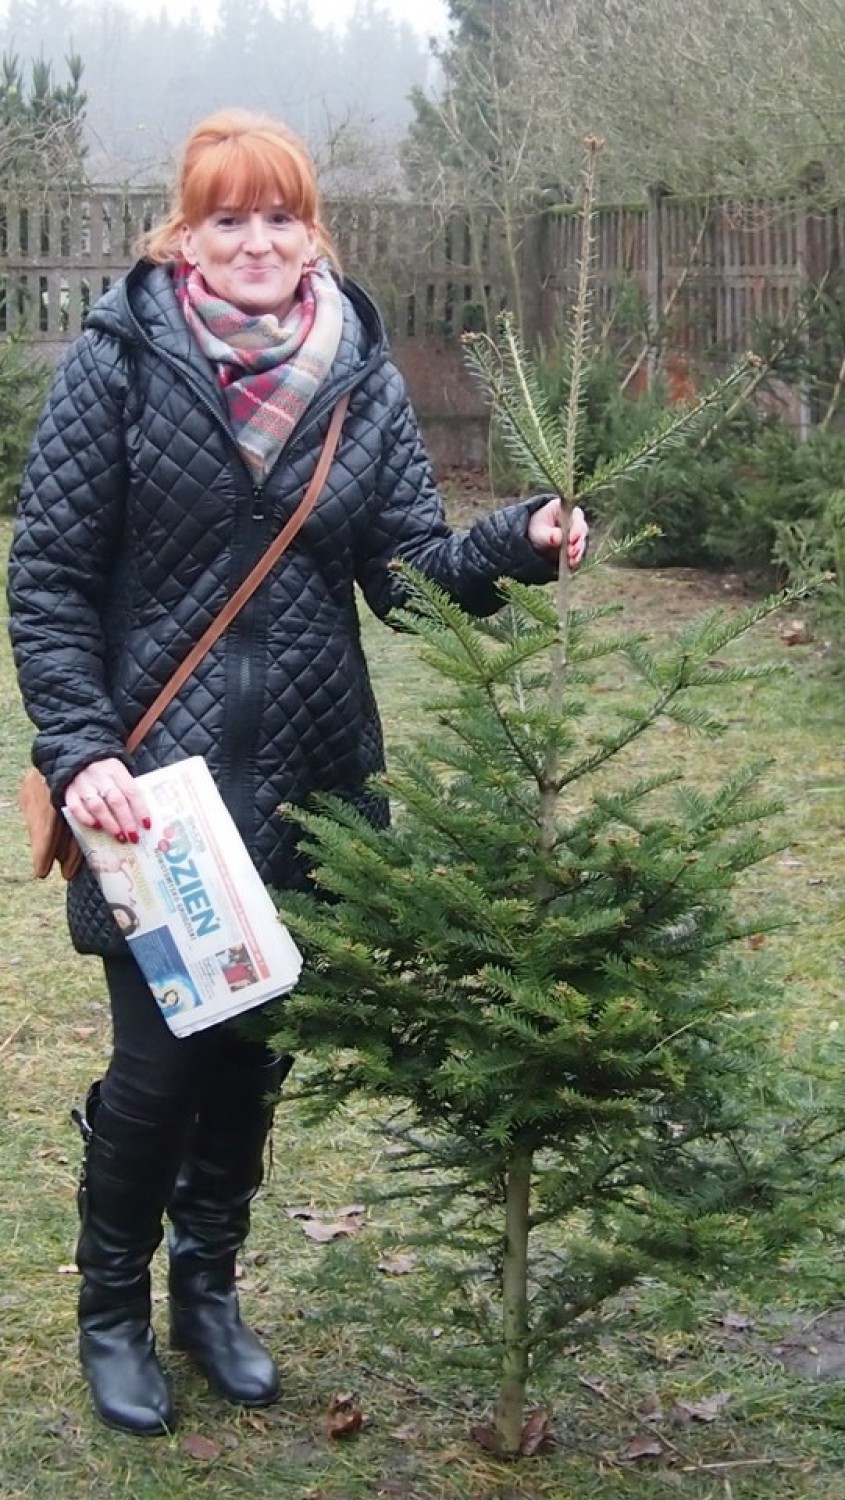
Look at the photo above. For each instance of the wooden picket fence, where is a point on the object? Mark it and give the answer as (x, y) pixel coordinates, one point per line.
(700, 274)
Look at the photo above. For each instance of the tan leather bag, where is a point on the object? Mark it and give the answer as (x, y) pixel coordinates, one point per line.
(50, 839)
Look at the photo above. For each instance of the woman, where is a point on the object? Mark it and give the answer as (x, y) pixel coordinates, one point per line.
(177, 438)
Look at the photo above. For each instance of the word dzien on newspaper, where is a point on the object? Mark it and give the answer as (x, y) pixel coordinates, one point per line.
(191, 904)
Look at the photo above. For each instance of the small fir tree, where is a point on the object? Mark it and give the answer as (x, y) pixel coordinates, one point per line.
(537, 961)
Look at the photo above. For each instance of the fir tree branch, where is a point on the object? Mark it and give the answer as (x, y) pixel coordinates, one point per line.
(530, 406)
(612, 747)
(580, 321)
(669, 432)
(574, 413)
(521, 422)
(531, 766)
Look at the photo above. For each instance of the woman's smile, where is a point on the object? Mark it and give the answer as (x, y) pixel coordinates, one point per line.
(252, 258)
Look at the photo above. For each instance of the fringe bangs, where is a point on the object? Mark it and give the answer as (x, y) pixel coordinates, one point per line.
(249, 172)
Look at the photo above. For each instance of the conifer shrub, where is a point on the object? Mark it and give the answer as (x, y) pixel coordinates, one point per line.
(725, 503)
(814, 544)
(783, 482)
(689, 501)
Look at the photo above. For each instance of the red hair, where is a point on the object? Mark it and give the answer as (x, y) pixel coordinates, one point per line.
(234, 159)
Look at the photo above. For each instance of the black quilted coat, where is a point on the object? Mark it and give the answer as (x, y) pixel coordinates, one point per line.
(138, 518)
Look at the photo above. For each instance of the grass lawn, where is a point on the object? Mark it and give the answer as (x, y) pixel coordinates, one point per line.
(638, 1408)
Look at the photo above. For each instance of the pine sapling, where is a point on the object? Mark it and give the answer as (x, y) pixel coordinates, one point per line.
(537, 964)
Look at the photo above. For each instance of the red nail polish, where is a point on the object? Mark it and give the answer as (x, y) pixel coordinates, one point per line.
(121, 838)
(146, 822)
(134, 837)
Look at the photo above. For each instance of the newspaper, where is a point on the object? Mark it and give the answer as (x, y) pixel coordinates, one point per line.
(191, 904)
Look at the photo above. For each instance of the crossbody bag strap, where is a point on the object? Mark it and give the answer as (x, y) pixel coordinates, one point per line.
(247, 588)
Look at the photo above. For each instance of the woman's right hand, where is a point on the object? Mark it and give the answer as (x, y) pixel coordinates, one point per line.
(106, 795)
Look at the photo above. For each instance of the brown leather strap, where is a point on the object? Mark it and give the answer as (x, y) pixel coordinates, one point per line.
(246, 589)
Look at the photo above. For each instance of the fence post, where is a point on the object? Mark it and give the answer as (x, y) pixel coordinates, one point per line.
(803, 242)
(537, 319)
(654, 277)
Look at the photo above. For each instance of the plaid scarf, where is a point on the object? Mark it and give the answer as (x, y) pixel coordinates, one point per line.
(269, 371)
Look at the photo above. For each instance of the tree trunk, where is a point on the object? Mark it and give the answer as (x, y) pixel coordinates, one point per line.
(510, 1407)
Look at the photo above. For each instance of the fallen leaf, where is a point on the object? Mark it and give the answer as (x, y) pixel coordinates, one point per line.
(82, 1033)
(344, 1417)
(706, 1410)
(651, 1409)
(67, 1270)
(644, 1446)
(397, 1263)
(322, 1233)
(350, 1210)
(484, 1435)
(202, 1448)
(796, 634)
(537, 1436)
(324, 1226)
(756, 940)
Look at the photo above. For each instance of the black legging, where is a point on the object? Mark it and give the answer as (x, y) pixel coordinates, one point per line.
(154, 1075)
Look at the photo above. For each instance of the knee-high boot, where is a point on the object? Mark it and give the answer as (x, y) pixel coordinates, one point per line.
(209, 1212)
(127, 1174)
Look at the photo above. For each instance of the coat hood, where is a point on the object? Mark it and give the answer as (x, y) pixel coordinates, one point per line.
(142, 308)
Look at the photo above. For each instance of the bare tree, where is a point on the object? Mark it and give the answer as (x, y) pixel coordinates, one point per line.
(477, 148)
(735, 97)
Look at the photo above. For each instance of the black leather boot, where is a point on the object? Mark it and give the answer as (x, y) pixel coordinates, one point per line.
(210, 1215)
(127, 1174)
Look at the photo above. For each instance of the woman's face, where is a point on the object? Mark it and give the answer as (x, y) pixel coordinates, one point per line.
(253, 258)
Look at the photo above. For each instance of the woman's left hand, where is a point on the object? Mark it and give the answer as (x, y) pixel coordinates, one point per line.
(546, 533)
